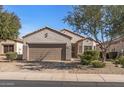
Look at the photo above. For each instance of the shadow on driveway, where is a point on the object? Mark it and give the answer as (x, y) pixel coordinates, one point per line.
(47, 65)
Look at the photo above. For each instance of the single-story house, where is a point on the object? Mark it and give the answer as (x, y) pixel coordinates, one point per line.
(117, 45)
(115, 49)
(47, 44)
(11, 46)
(79, 43)
(50, 44)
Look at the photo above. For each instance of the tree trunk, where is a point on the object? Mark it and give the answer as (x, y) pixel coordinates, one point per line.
(103, 56)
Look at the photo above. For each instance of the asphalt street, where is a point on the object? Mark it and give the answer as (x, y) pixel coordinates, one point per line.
(32, 83)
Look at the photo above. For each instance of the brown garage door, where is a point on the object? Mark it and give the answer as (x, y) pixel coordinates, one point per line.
(47, 52)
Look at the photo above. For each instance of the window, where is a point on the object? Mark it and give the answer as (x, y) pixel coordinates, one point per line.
(87, 48)
(8, 48)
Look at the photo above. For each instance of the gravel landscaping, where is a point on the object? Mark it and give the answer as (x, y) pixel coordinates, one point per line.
(19, 66)
(108, 69)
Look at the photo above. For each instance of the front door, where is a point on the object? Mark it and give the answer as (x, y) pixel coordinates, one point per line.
(74, 52)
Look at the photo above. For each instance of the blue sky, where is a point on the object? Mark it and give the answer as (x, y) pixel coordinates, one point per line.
(36, 17)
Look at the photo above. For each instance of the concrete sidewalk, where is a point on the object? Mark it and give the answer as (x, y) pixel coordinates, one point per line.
(37, 76)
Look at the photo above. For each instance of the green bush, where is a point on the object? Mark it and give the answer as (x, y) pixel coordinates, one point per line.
(97, 64)
(89, 56)
(122, 64)
(121, 60)
(94, 55)
(116, 61)
(85, 60)
(11, 55)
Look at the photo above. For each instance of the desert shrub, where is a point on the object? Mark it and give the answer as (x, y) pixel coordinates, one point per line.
(121, 60)
(85, 60)
(89, 56)
(94, 55)
(116, 61)
(11, 55)
(97, 64)
(122, 63)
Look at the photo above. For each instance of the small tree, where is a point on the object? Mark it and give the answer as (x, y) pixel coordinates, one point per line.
(101, 23)
(9, 25)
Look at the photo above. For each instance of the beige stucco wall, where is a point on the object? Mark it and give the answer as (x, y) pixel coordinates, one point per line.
(74, 39)
(6, 42)
(53, 37)
(17, 46)
(118, 47)
(86, 42)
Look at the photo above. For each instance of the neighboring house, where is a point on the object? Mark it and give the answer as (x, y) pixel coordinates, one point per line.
(117, 45)
(116, 48)
(49, 44)
(11, 46)
(79, 43)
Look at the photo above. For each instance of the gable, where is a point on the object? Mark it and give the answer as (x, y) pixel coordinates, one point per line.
(46, 35)
(75, 37)
(87, 42)
(47, 28)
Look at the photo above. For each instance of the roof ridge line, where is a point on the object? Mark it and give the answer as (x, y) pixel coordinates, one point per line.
(73, 33)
